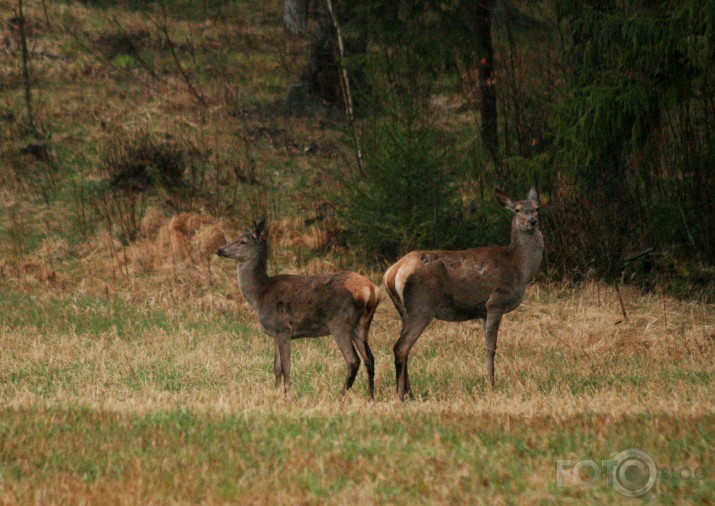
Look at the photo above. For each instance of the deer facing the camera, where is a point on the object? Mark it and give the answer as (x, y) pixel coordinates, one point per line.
(485, 283)
(289, 307)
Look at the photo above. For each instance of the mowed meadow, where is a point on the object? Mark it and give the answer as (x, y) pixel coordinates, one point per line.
(133, 372)
(137, 402)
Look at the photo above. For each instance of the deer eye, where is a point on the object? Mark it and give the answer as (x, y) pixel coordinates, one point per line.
(517, 210)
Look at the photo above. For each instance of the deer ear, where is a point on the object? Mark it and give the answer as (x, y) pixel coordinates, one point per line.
(259, 228)
(503, 200)
(533, 195)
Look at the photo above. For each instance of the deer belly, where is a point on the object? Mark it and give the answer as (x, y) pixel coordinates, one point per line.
(293, 316)
(454, 309)
(309, 329)
(295, 329)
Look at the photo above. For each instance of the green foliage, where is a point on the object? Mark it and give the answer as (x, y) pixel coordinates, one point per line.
(624, 146)
(123, 61)
(404, 195)
(634, 121)
(406, 199)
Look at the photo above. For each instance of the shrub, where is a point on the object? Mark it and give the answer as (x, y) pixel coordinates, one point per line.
(143, 161)
(406, 196)
(134, 165)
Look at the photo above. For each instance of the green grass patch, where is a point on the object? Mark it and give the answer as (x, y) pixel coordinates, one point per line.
(80, 315)
(392, 457)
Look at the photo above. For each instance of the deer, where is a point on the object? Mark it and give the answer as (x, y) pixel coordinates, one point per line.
(292, 306)
(479, 283)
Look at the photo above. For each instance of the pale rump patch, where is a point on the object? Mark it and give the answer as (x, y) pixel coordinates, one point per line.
(366, 293)
(404, 271)
(388, 279)
(361, 289)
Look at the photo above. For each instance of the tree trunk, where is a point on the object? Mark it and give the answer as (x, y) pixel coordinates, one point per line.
(320, 84)
(487, 88)
(295, 15)
(319, 81)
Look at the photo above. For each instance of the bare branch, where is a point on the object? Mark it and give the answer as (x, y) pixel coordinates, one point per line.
(345, 83)
(26, 69)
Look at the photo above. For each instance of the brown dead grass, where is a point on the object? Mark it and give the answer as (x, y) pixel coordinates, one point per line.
(181, 244)
(567, 359)
(33, 275)
(559, 340)
(186, 237)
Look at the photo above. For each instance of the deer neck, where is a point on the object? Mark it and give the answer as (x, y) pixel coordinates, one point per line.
(527, 247)
(252, 279)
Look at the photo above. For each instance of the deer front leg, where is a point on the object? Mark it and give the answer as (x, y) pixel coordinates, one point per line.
(284, 350)
(277, 369)
(491, 329)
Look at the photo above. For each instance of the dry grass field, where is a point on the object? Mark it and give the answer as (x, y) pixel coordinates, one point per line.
(149, 402)
(133, 372)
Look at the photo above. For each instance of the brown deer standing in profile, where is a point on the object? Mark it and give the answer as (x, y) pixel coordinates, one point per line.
(289, 307)
(464, 285)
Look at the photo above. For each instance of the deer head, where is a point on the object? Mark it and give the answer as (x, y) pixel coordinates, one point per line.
(250, 247)
(526, 212)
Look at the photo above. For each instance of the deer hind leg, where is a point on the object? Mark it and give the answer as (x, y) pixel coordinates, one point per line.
(411, 331)
(491, 329)
(363, 348)
(345, 343)
(398, 303)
